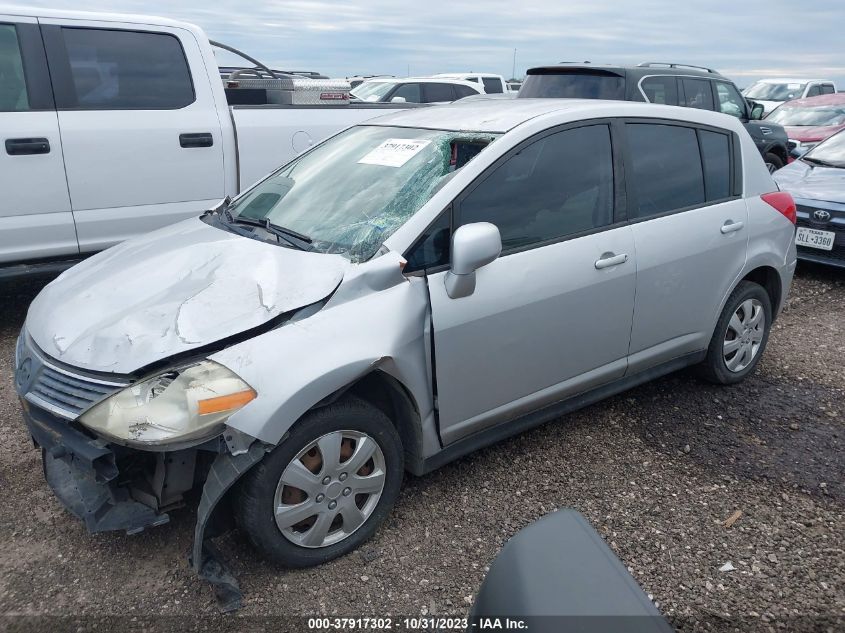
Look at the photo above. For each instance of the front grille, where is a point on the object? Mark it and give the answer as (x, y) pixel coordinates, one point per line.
(62, 391)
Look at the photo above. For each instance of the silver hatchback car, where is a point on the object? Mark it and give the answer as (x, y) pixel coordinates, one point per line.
(406, 292)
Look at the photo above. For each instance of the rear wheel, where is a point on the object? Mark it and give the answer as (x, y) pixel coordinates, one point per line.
(741, 335)
(773, 162)
(325, 489)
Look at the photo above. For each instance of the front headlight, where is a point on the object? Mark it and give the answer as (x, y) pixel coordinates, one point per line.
(178, 405)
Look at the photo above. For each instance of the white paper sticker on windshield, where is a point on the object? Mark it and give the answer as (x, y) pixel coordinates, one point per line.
(394, 152)
(793, 86)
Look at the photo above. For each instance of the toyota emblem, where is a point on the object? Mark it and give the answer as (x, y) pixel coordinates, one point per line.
(821, 215)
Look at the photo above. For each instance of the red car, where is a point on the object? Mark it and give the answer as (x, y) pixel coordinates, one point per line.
(810, 121)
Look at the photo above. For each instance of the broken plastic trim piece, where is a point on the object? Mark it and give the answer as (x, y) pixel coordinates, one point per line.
(204, 558)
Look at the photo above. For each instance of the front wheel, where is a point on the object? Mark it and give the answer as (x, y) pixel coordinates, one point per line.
(741, 335)
(326, 488)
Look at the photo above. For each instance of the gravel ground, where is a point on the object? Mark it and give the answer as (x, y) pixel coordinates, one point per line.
(656, 470)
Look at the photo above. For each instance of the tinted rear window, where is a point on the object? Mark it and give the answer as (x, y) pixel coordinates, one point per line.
(573, 86)
(667, 172)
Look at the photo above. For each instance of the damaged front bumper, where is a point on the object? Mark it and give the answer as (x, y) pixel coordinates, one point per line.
(84, 475)
(114, 488)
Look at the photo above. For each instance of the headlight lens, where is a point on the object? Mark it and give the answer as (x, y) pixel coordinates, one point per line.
(178, 405)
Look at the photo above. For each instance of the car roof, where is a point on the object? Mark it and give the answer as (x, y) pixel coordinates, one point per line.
(404, 80)
(790, 80)
(459, 75)
(41, 12)
(837, 98)
(622, 71)
(503, 115)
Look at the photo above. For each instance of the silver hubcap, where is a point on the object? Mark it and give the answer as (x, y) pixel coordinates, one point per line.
(330, 489)
(744, 335)
(771, 167)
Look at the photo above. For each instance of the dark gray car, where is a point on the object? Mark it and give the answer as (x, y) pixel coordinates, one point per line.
(817, 182)
(663, 83)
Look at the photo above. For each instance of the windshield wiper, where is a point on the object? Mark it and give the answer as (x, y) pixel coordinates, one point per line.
(279, 231)
(818, 161)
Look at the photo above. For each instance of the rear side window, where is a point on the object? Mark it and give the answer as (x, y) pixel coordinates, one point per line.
(666, 168)
(409, 92)
(662, 90)
(716, 154)
(492, 85)
(697, 93)
(123, 70)
(13, 95)
(827, 89)
(439, 92)
(557, 186)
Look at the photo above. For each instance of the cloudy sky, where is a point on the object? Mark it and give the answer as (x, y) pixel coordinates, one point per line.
(744, 39)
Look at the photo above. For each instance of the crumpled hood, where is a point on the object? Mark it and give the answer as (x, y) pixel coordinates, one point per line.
(811, 133)
(171, 291)
(812, 183)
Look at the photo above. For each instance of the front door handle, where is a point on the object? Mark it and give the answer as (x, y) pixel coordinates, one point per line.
(731, 227)
(202, 139)
(610, 259)
(27, 146)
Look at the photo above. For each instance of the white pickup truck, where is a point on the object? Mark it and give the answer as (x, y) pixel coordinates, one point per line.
(114, 125)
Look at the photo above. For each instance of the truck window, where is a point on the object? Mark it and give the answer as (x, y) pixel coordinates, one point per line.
(814, 91)
(492, 85)
(123, 70)
(13, 95)
(697, 94)
(663, 89)
(827, 89)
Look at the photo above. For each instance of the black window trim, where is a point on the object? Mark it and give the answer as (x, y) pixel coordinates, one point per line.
(619, 195)
(39, 92)
(735, 157)
(62, 79)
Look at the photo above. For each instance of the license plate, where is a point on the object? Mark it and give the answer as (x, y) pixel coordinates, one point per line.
(815, 238)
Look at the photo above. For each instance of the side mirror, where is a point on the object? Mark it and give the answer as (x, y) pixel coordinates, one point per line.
(473, 246)
(398, 100)
(757, 110)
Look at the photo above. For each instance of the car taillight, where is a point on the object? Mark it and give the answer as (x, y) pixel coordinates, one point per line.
(783, 202)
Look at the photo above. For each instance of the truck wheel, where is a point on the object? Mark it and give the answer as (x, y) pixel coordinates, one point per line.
(740, 337)
(773, 162)
(326, 488)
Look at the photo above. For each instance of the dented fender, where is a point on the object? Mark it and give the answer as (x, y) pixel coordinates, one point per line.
(375, 319)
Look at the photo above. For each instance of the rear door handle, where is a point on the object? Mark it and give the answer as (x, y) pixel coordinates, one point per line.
(610, 259)
(202, 139)
(27, 146)
(731, 227)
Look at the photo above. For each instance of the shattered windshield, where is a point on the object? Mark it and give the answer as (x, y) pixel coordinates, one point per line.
(353, 191)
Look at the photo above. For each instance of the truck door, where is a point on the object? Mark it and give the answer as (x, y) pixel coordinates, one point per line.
(35, 216)
(141, 135)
